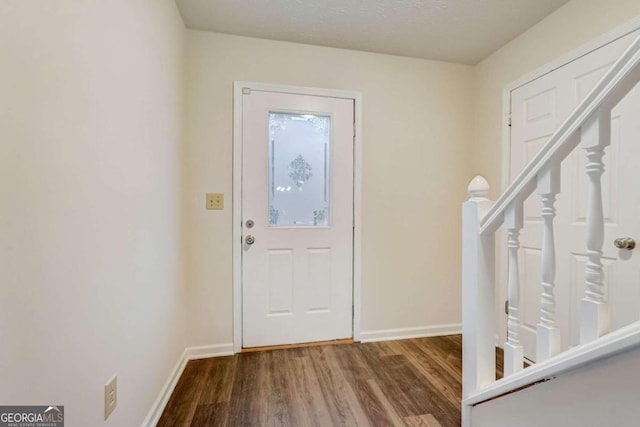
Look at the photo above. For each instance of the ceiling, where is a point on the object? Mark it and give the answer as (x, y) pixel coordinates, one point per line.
(463, 31)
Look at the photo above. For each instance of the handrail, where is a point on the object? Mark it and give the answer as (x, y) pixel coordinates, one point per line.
(617, 342)
(613, 86)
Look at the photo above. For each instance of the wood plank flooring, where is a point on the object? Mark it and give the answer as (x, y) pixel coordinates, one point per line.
(414, 382)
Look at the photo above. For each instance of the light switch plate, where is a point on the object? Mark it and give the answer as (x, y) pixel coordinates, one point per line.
(215, 201)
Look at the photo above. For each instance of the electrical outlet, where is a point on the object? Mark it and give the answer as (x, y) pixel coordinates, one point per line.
(110, 396)
(215, 201)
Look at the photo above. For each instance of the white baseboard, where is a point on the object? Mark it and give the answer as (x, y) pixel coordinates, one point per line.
(407, 333)
(165, 392)
(189, 353)
(204, 351)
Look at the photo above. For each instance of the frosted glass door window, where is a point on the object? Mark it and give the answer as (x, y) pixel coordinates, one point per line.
(299, 170)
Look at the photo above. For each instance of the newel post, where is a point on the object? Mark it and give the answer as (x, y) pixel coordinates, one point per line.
(478, 278)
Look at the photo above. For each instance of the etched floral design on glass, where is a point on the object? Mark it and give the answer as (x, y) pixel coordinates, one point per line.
(299, 169)
(273, 216)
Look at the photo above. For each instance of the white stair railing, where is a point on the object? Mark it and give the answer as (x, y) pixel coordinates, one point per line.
(596, 136)
(589, 127)
(513, 351)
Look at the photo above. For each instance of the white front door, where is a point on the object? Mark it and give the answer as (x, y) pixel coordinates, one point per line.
(538, 109)
(297, 218)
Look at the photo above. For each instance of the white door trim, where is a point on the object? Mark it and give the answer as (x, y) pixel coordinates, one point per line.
(600, 41)
(238, 86)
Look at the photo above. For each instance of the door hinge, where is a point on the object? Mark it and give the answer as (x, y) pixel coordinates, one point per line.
(506, 307)
(509, 121)
(246, 91)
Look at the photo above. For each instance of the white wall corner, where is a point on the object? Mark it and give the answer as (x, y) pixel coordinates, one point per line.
(189, 353)
(407, 333)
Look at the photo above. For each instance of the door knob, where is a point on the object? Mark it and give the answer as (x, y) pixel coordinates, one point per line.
(250, 240)
(625, 243)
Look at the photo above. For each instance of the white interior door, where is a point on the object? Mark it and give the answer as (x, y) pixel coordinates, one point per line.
(537, 110)
(297, 218)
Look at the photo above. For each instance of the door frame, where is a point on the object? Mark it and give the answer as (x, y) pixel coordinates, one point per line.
(238, 88)
(584, 49)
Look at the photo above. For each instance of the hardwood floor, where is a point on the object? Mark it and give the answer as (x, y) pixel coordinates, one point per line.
(414, 382)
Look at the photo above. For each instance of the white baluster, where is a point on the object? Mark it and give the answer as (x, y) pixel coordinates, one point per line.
(548, 335)
(478, 278)
(513, 351)
(595, 136)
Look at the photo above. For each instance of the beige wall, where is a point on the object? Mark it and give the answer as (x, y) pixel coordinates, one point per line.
(91, 131)
(416, 151)
(571, 26)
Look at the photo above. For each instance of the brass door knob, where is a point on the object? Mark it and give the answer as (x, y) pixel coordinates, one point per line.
(625, 243)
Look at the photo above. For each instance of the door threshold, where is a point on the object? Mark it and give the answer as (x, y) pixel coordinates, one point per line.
(298, 345)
